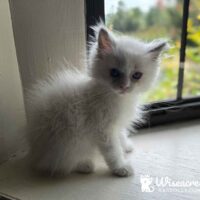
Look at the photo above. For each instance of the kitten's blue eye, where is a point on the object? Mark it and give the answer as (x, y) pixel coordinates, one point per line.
(115, 73)
(137, 75)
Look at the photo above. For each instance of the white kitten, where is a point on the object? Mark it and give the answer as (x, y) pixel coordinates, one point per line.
(72, 114)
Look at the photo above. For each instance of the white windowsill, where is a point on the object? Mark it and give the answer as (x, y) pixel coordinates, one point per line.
(174, 153)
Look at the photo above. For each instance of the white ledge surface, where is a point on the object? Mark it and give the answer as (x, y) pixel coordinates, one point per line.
(172, 151)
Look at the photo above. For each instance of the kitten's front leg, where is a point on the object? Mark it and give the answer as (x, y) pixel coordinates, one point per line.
(110, 147)
(126, 143)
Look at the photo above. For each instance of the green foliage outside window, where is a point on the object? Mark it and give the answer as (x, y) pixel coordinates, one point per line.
(165, 21)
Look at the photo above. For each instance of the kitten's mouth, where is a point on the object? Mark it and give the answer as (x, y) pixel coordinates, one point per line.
(124, 91)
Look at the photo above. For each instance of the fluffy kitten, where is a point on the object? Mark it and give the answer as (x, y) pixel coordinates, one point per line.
(72, 114)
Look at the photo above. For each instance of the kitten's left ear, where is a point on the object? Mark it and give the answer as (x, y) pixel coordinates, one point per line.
(156, 47)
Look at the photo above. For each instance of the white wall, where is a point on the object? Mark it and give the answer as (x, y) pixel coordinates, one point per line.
(45, 32)
(12, 116)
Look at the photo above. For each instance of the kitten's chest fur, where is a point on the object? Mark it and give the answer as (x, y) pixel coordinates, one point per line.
(105, 108)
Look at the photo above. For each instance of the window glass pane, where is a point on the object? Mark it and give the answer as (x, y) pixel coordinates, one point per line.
(191, 86)
(149, 20)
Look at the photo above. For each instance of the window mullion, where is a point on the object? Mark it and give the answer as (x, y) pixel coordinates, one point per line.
(182, 49)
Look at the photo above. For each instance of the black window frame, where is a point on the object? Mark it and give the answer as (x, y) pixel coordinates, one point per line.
(163, 112)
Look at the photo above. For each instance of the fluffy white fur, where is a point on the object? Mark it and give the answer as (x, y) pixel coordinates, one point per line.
(73, 114)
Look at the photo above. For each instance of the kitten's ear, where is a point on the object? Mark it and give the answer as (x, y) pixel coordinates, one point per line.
(105, 41)
(156, 47)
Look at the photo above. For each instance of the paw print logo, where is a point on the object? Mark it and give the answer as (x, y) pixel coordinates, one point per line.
(146, 182)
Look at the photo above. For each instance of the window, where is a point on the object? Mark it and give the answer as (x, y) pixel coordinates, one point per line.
(154, 20)
(177, 96)
(191, 84)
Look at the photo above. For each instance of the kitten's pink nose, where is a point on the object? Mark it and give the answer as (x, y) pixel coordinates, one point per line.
(124, 87)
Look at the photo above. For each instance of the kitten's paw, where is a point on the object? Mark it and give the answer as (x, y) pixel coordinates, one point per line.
(85, 167)
(129, 148)
(124, 171)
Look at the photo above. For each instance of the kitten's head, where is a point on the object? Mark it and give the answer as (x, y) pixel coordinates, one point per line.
(123, 63)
